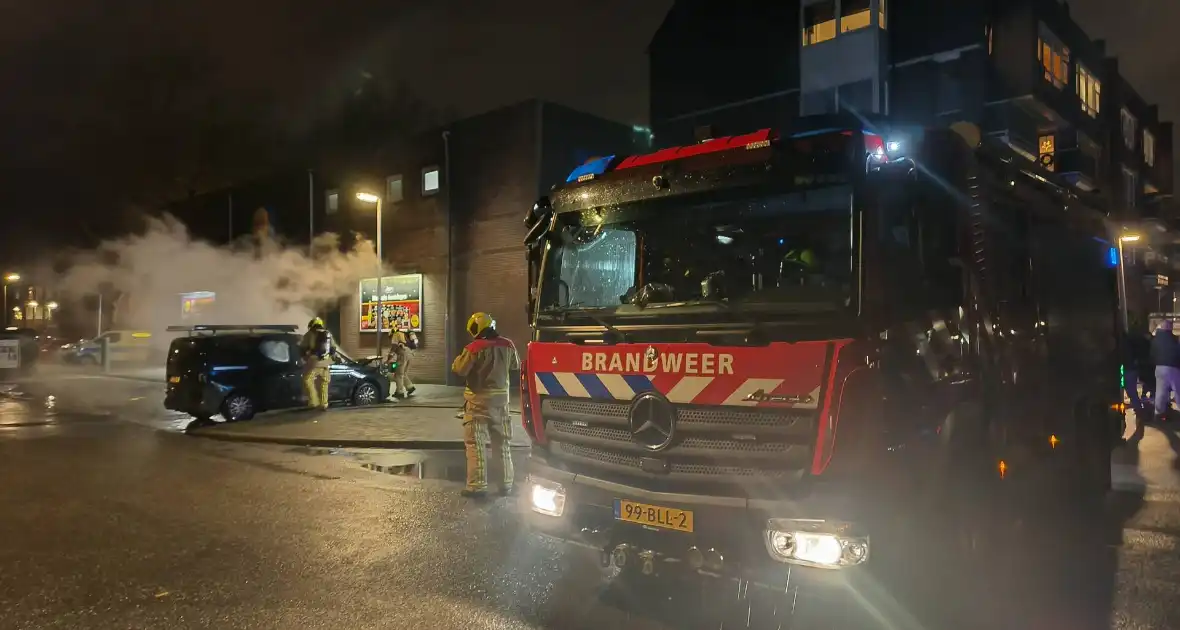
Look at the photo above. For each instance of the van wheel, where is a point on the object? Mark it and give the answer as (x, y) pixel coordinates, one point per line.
(366, 394)
(237, 407)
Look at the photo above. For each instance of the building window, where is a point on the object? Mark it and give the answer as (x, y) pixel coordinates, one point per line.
(1130, 126)
(1088, 146)
(1148, 148)
(881, 14)
(430, 180)
(1054, 58)
(856, 14)
(819, 22)
(1047, 146)
(1130, 188)
(331, 202)
(393, 188)
(1089, 91)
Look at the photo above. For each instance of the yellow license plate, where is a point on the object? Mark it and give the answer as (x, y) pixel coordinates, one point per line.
(173, 379)
(653, 515)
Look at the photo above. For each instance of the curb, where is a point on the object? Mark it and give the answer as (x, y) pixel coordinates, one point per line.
(404, 445)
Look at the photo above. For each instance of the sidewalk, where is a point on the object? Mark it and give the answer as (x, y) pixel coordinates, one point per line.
(399, 425)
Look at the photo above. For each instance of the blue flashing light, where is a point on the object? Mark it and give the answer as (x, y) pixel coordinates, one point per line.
(1112, 257)
(817, 132)
(782, 241)
(593, 167)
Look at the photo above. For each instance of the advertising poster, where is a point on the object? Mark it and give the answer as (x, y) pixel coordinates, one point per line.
(193, 305)
(401, 303)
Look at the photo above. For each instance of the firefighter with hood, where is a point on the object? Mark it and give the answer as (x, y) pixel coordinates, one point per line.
(317, 349)
(486, 364)
(402, 351)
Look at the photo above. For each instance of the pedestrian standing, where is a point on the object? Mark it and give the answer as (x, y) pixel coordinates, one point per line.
(486, 364)
(1165, 354)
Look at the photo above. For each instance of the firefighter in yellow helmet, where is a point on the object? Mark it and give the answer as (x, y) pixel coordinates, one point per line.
(797, 265)
(486, 364)
(317, 349)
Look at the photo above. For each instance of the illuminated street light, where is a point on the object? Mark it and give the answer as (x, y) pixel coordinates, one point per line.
(16, 309)
(368, 197)
(51, 305)
(8, 279)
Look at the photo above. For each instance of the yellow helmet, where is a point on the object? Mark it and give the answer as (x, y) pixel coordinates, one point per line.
(480, 322)
(315, 322)
(802, 258)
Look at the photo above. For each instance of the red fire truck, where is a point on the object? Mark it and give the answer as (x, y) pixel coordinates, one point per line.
(795, 358)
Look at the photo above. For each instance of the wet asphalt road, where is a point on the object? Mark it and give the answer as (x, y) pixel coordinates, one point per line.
(114, 519)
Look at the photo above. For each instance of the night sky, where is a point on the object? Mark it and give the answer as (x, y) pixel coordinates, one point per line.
(64, 72)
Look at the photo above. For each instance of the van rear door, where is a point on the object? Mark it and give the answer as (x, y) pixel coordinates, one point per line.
(186, 361)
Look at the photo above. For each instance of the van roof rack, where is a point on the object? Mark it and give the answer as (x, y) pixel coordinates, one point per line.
(213, 329)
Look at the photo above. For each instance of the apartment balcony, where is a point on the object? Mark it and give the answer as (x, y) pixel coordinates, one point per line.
(1077, 167)
(1013, 125)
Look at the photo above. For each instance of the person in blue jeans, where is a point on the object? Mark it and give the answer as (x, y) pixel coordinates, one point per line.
(1165, 354)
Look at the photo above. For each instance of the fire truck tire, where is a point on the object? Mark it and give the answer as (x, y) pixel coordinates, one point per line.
(1090, 479)
(972, 518)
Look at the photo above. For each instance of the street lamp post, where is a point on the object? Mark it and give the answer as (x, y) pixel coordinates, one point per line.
(1125, 238)
(367, 197)
(10, 277)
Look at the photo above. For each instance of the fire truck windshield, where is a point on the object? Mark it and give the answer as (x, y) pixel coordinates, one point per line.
(787, 252)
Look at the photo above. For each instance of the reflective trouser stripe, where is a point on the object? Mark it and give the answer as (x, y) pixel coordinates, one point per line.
(482, 424)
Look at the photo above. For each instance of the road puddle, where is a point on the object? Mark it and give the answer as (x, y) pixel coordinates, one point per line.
(435, 465)
(21, 408)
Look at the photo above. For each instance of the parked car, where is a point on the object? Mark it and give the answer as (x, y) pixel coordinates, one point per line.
(124, 346)
(239, 371)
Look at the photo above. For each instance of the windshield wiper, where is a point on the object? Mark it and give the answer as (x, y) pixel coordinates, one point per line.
(618, 334)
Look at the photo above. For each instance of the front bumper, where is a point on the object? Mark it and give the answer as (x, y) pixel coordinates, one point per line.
(728, 538)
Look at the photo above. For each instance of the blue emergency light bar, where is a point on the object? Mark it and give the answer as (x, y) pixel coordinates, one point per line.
(592, 168)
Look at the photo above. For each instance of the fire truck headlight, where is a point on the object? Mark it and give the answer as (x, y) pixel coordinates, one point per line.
(893, 146)
(821, 544)
(546, 497)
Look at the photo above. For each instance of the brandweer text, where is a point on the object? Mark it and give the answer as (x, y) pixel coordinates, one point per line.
(685, 363)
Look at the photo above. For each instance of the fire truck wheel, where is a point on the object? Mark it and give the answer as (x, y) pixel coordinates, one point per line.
(1089, 472)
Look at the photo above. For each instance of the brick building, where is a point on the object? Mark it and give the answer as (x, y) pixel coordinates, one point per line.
(454, 200)
(478, 177)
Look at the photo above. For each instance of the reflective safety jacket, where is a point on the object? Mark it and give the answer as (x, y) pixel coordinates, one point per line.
(486, 364)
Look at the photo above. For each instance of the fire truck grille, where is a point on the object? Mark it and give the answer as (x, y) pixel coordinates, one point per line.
(710, 443)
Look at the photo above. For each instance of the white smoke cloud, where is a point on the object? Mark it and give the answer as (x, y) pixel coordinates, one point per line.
(268, 285)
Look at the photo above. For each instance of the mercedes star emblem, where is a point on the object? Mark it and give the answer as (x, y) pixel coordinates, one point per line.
(653, 422)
